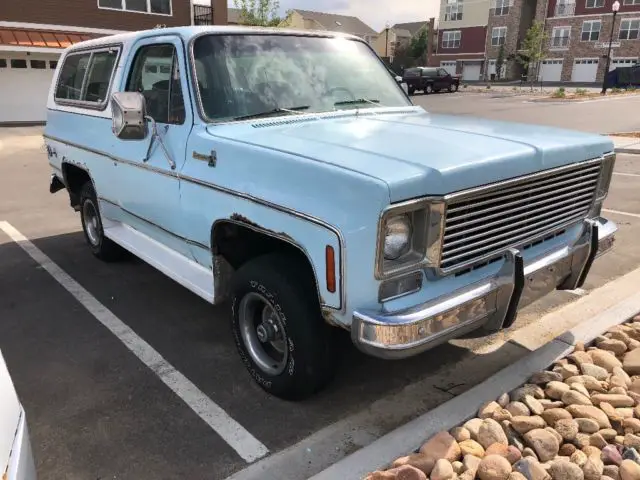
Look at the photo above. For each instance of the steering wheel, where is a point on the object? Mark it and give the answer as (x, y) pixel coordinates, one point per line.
(343, 89)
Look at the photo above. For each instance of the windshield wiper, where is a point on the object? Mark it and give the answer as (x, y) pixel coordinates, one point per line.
(358, 101)
(275, 111)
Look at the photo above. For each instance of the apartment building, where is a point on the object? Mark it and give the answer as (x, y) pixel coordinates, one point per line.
(462, 35)
(579, 32)
(472, 34)
(33, 34)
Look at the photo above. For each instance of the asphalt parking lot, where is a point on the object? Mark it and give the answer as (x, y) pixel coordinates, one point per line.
(95, 411)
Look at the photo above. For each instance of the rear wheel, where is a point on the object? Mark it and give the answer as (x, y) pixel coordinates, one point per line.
(281, 337)
(428, 89)
(453, 87)
(101, 247)
(412, 90)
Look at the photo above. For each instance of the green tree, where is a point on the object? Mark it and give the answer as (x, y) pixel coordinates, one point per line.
(534, 49)
(263, 13)
(418, 45)
(500, 62)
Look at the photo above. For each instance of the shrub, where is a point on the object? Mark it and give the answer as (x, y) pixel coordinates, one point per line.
(559, 93)
(581, 91)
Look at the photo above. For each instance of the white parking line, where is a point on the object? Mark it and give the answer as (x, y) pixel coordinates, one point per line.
(627, 174)
(621, 213)
(245, 444)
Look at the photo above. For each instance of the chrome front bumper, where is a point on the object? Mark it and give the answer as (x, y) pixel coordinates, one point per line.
(492, 303)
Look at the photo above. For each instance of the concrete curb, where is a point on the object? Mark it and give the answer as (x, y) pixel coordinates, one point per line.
(410, 436)
(630, 151)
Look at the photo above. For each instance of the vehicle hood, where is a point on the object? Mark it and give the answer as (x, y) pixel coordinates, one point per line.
(417, 153)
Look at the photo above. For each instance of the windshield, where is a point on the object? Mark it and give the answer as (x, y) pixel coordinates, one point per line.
(250, 75)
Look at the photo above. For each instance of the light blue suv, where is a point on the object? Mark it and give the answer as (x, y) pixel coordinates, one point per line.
(288, 172)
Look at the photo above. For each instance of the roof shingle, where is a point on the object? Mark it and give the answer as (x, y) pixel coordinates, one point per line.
(338, 23)
(412, 27)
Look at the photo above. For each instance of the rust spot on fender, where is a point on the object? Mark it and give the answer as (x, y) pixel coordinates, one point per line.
(242, 219)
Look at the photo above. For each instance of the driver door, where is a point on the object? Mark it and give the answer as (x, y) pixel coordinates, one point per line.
(149, 176)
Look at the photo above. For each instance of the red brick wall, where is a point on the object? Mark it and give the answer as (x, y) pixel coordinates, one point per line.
(85, 13)
(471, 41)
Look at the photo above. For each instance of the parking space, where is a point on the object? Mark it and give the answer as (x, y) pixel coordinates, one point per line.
(98, 409)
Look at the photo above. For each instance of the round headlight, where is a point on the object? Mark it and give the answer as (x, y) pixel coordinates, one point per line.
(397, 240)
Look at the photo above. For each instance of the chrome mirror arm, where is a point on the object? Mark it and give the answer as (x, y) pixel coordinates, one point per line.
(154, 134)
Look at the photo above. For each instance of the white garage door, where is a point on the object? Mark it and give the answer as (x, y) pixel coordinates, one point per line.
(622, 62)
(471, 71)
(584, 70)
(449, 67)
(551, 70)
(24, 85)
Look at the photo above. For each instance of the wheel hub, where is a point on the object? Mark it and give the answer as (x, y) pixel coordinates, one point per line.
(267, 331)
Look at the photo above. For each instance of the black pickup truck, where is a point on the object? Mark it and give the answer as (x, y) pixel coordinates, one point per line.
(430, 79)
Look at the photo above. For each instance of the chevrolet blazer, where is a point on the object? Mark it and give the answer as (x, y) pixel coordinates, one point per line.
(287, 173)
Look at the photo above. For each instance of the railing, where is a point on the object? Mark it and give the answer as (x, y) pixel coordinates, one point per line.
(565, 9)
(202, 15)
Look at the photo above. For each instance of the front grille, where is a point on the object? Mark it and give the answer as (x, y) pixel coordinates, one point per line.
(483, 224)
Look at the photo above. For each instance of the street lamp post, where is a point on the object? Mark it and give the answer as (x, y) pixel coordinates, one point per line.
(615, 7)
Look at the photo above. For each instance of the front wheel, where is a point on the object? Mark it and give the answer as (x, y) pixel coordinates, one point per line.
(453, 87)
(102, 247)
(428, 89)
(281, 337)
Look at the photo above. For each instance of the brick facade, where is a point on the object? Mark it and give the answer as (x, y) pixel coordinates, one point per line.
(472, 40)
(578, 49)
(86, 13)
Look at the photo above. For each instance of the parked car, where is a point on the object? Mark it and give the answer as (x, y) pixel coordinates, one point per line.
(16, 456)
(624, 77)
(260, 170)
(430, 79)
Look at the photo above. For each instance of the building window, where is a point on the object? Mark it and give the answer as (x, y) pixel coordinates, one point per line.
(159, 7)
(498, 36)
(594, 3)
(591, 30)
(629, 29)
(565, 8)
(560, 37)
(451, 39)
(18, 63)
(500, 7)
(453, 10)
(38, 64)
(631, 2)
(3, 63)
(53, 64)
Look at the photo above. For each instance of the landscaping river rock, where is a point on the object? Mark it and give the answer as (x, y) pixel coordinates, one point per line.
(579, 420)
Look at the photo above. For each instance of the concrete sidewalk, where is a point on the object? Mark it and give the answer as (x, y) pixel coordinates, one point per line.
(626, 144)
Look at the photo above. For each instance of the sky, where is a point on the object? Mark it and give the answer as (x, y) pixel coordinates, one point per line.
(375, 13)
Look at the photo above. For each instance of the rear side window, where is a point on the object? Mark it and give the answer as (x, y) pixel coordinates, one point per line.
(85, 78)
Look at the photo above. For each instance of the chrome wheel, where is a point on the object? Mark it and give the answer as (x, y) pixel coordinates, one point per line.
(263, 333)
(91, 222)
(429, 89)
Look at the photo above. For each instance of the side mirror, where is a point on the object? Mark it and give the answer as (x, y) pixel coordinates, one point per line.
(128, 115)
(405, 87)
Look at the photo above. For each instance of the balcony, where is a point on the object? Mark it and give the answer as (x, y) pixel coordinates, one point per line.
(565, 9)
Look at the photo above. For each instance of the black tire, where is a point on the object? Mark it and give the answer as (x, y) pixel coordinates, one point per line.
(286, 286)
(100, 246)
(412, 90)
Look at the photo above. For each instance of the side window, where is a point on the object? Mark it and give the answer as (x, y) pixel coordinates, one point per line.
(156, 74)
(72, 77)
(86, 77)
(442, 72)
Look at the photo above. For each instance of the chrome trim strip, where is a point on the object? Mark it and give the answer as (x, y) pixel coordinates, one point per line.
(244, 196)
(159, 227)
